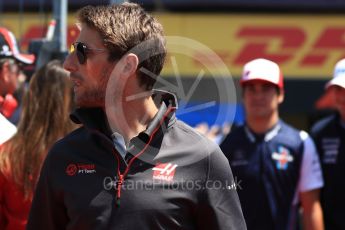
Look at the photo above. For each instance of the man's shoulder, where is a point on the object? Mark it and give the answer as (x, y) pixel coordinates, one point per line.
(196, 148)
(288, 128)
(186, 130)
(77, 134)
(324, 124)
(74, 138)
(189, 133)
(236, 140)
(292, 135)
(237, 133)
(187, 137)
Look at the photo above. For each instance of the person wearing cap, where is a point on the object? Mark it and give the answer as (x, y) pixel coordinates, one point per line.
(275, 165)
(10, 61)
(329, 136)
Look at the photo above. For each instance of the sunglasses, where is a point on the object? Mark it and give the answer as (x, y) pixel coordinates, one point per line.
(81, 51)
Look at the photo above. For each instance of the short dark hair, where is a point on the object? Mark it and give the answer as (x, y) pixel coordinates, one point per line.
(128, 28)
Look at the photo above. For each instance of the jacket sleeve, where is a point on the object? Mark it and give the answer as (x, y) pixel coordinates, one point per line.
(311, 173)
(47, 210)
(220, 206)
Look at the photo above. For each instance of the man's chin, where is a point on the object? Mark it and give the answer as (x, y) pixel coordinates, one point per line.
(88, 104)
(261, 114)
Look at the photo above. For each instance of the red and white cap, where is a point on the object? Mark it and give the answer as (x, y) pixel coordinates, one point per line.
(9, 47)
(263, 70)
(338, 75)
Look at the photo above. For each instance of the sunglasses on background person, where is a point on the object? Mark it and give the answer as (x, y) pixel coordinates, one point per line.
(82, 50)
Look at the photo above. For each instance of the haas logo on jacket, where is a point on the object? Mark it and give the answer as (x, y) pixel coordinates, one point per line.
(164, 171)
(282, 158)
(73, 169)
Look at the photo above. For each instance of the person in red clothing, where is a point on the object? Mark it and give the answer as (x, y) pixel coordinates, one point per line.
(44, 119)
(11, 61)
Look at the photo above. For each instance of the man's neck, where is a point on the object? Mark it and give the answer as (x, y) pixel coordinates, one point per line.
(262, 125)
(133, 118)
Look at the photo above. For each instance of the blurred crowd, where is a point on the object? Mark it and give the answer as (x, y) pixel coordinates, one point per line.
(33, 117)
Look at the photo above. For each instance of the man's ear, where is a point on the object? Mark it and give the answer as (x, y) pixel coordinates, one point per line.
(281, 96)
(129, 64)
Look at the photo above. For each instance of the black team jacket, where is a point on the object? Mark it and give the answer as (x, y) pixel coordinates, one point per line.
(329, 137)
(171, 178)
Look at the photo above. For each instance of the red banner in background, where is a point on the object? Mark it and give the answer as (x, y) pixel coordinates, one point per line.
(304, 46)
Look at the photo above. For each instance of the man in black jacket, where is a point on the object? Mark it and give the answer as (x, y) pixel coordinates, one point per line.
(132, 164)
(329, 136)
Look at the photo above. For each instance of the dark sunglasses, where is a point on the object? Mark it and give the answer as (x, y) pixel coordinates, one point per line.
(81, 51)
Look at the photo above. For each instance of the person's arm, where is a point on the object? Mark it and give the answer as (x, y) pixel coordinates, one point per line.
(309, 186)
(219, 207)
(312, 212)
(47, 210)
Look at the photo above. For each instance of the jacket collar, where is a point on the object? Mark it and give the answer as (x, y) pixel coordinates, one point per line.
(96, 119)
(92, 118)
(269, 135)
(151, 139)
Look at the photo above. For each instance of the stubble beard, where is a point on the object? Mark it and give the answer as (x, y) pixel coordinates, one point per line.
(93, 96)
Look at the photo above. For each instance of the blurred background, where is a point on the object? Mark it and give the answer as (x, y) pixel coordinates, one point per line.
(305, 37)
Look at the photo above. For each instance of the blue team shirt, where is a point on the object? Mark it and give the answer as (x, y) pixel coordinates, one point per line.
(268, 168)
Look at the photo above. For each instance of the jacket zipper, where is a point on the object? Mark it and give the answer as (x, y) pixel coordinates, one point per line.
(118, 187)
(122, 176)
